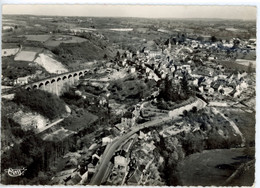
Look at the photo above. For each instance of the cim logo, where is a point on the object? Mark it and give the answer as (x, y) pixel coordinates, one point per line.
(15, 172)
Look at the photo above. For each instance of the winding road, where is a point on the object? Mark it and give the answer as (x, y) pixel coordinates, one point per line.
(111, 148)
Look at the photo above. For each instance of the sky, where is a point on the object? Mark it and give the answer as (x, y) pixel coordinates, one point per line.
(147, 11)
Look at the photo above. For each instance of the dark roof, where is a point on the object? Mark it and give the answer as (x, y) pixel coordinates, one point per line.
(127, 115)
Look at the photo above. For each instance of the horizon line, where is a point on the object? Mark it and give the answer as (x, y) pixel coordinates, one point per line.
(253, 19)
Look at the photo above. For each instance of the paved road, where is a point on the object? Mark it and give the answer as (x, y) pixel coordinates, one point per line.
(109, 152)
(106, 157)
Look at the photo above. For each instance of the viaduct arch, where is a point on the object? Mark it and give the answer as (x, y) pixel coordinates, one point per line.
(56, 84)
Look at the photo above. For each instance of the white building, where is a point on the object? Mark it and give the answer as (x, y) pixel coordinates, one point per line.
(106, 140)
(22, 80)
(120, 161)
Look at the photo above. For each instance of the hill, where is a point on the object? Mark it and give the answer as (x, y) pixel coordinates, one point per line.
(94, 48)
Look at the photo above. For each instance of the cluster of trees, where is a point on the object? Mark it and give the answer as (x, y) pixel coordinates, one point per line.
(130, 89)
(168, 169)
(71, 98)
(175, 91)
(42, 102)
(28, 154)
(38, 157)
(13, 70)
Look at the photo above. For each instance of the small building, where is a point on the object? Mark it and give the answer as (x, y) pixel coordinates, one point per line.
(195, 82)
(155, 54)
(106, 140)
(91, 168)
(210, 90)
(186, 68)
(120, 161)
(22, 80)
(128, 119)
(132, 69)
(225, 90)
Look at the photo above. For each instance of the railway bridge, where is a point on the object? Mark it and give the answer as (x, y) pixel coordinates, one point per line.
(58, 83)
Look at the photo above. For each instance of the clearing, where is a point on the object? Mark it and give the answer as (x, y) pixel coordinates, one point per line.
(50, 64)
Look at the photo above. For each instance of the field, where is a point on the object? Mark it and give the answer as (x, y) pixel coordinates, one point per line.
(9, 45)
(32, 49)
(53, 40)
(57, 40)
(38, 38)
(233, 66)
(25, 56)
(246, 62)
(216, 166)
(9, 52)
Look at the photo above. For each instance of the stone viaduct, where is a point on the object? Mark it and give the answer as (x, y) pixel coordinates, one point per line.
(58, 83)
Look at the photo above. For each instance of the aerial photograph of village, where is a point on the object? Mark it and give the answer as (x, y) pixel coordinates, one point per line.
(126, 99)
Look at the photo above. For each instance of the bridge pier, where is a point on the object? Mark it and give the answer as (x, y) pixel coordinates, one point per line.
(48, 86)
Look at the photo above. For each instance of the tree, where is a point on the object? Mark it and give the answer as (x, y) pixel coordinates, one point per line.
(185, 112)
(42, 102)
(213, 39)
(236, 43)
(250, 68)
(168, 90)
(221, 91)
(118, 54)
(184, 85)
(194, 109)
